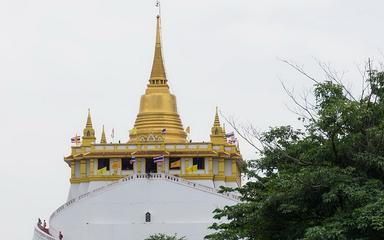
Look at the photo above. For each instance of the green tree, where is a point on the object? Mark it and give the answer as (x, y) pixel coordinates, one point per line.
(325, 182)
(161, 236)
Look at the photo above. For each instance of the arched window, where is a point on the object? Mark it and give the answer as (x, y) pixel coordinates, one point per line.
(147, 217)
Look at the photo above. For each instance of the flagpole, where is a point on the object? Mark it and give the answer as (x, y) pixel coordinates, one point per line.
(113, 135)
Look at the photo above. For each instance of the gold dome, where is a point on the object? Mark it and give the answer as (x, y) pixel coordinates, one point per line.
(158, 119)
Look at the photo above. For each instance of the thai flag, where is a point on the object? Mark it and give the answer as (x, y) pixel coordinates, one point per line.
(158, 159)
(233, 140)
(133, 160)
(229, 135)
(75, 139)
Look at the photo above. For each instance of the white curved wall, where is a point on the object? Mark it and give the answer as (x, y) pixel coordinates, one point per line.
(77, 189)
(96, 184)
(119, 212)
(231, 184)
(208, 183)
(73, 191)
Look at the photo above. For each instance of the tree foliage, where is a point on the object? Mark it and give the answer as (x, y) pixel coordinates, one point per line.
(325, 182)
(161, 236)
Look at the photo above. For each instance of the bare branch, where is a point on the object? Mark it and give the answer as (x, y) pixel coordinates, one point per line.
(364, 85)
(240, 131)
(293, 98)
(299, 69)
(249, 133)
(301, 115)
(333, 76)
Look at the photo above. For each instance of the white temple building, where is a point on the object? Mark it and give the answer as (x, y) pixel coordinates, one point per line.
(156, 182)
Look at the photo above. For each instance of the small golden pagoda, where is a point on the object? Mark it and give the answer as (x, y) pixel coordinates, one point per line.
(157, 143)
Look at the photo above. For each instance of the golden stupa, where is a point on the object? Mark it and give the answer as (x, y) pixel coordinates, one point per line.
(157, 132)
(158, 110)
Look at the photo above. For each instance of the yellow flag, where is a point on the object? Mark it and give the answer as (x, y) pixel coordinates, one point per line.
(191, 169)
(175, 164)
(116, 165)
(102, 171)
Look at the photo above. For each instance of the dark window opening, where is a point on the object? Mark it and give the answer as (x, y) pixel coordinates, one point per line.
(126, 164)
(200, 162)
(150, 166)
(174, 163)
(102, 163)
(147, 217)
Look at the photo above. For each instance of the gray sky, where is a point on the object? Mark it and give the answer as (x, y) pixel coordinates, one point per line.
(58, 58)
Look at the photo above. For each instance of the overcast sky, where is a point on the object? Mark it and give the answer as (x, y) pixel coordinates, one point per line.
(59, 58)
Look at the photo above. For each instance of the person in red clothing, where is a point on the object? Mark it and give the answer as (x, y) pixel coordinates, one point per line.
(60, 236)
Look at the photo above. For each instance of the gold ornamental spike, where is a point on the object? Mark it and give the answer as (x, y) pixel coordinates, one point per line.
(158, 76)
(217, 132)
(89, 119)
(103, 138)
(217, 120)
(88, 132)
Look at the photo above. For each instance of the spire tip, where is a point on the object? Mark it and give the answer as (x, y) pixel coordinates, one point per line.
(158, 76)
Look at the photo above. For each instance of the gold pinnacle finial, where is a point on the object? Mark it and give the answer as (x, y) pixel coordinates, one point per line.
(88, 132)
(89, 120)
(103, 138)
(158, 76)
(217, 120)
(217, 132)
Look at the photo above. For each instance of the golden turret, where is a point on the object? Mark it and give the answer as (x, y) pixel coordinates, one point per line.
(88, 132)
(103, 138)
(217, 132)
(158, 119)
(216, 123)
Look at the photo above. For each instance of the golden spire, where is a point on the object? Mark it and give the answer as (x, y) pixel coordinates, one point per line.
(158, 76)
(103, 138)
(88, 132)
(89, 119)
(217, 120)
(158, 119)
(217, 132)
